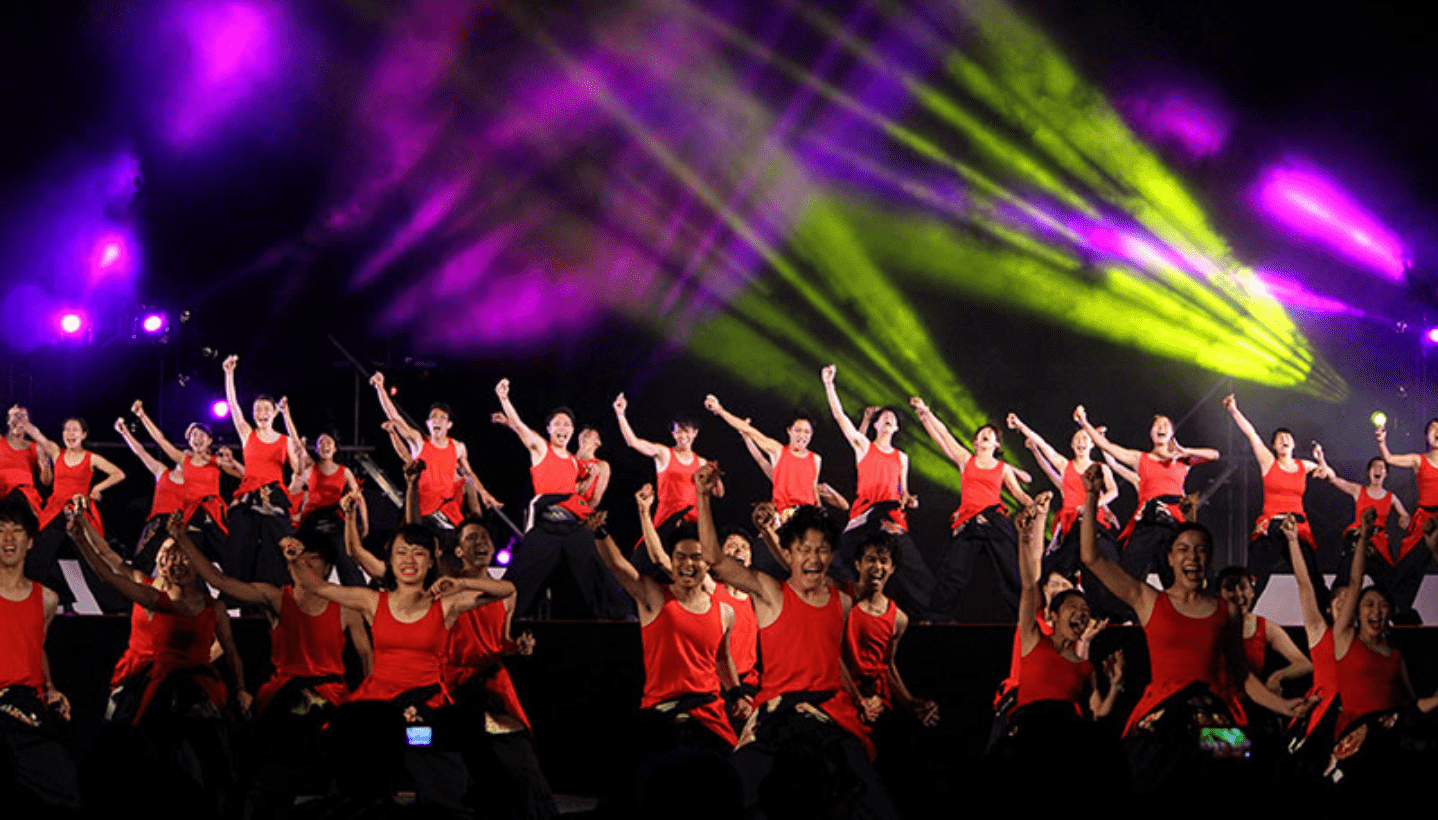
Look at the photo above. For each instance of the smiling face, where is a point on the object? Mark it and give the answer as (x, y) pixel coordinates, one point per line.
(14, 544)
(886, 423)
(589, 440)
(264, 412)
(1071, 618)
(325, 446)
(1056, 583)
(1377, 472)
(875, 567)
(410, 563)
(689, 564)
(438, 423)
(684, 436)
(1081, 444)
(809, 558)
(1161, 431)
(475, 549)
(1238, 592)
(198, 439)
(73, 434)
(738, 547)
(1188, 558)
(1430, 434)
(1283, 444)
(986, 440)
(560, 429)
(1374, 615)
(801, 432)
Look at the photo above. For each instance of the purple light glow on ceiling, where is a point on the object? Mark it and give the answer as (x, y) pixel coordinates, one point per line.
(1293, 294)
(1183, 118)
(1312, 204)
(236, 50)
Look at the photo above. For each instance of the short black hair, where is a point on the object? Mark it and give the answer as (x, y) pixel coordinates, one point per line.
(727, 532)
(202, 427)
(1381, 592)
(889, 408)
(880, 541)
(416, 535)
(443, 408)
(1056, 603)
(800, 414)
(1369, 465)
(561, 410)
(318, 543)
(1230, 576)
(683, 420)
(84, 428)
(264, 397)
(1279, 430)
(16, 510)
(685, 531)
(1165, 572)
(804, 519)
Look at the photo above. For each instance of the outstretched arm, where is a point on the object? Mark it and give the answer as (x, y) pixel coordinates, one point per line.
(237, 415)
(250, 593)
(354, 543)
(726, 569)
(639, 445)
(925, 710)
(360, 599)
(531, 440)
(644, 591)
(1128, 457)
(1011, 481)
(1030, 525)
(851, 433)
(294, 445)
(152, 464)
(951, 447)
(1313, 623)
(105, 562)
(770, 447)
(1260, 449)
(1409, 460)
(1137, 594)
(397, 425)
(1055, 476)
(653, 546)
(1055, 460)
(1332, 476)
(171, 452)
(1346, 607)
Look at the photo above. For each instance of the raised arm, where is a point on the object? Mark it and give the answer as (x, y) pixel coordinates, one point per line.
(294, 445)
(471, 477)
(105, 562)
(1127, 457)
(354, 543)
(1121, 471)
(1409, 460)
(644, 591)
(1332, 476)
(1055, 460)
(1055, 476)
(250, 593)
(531, 440)
(1261, 452)
(398, 426)
(925, 710)
(1346, 607)
(653, 546)
(1011, 481)
(1030, 525)
(360, 599)
(639, 445)
(399, 443)
(1102, 705)
(225, 460)
(1193, 455)
(237, 415)
(1313, 622)
(760, 457)
(171, 452)
(769, 446)
(1138, 595)
(728, 570)
(856, 439)
(951, 447)
(152, 464)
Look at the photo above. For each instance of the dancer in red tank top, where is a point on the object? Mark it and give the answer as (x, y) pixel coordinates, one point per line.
(1372, 495)
(1162, 470)
(74, 470)
(980, 524)
(1310, 736)
(673, 466)
(32, 712)
(881, 497)
(23, 455)
(793, 468)
(594, 471)
(326, 483)
(1193, 647)
(169, 498)
(872, 633)
(205, 510)
(1258, 634)
(1409, 561)
(1285, 479)
(555, 528)
(806, 694)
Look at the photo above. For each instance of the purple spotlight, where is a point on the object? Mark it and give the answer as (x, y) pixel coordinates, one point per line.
(153, 323)
(220, 408)
(1188, 119)
(1312, 204)
(1293, 293)
(109, 253)
(71, 322)
(503, 557)
(1433, 335)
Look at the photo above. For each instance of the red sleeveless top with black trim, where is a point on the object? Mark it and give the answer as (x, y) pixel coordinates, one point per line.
(870, 638)
(557, 474)
(794, 480)
(406, 655)
(674, 487)
(70, 482)
(743, 636)
(1369, 682)
(264, 463)
(22, 641)
(681, 651)
(17, 472)
(476, 647)
(982, 487)
(1045, 674)
(881, 478)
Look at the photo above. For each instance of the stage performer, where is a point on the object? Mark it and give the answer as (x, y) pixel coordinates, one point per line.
(1285, 479)
(205, 510)
(555, 527)
(1161, 473)
(794, 467)
(1407, 564)
(23, 458)
(441, 494)
(326, 483)
(1067, 474)
(1377, 725)
(169, 497)
(39, 771)
(980, 524)
(1310, 736)
(260, 509)
(74, 471)
(596, 470)
(1194, 655)
(165, 693)
(1372, 495)
(673, 466)
(808, 705)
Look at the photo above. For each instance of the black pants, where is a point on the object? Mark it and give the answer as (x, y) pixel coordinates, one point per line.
(1066, 559)
(1401, 580)
(994, 537)
(42, 565)
(1149, 540)
(252, 551)
(809, 768)
(536, 567)
(912, 585)
(1269, 551)
(37, 772)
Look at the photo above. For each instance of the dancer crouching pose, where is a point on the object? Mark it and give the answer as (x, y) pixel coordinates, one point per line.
(808, 705)
(1175, 733)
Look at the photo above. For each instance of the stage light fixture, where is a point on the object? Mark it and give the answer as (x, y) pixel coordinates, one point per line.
(1379, 418)
(220, 408)
(71, 322)
(153, 323)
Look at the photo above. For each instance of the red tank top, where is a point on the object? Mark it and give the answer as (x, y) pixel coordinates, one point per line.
(1325, 678)
(22, 641)
(1283, 491)
(1074, 495)
(794, 480)
(1016, 656)
(1159, 478)
(163, 642)
(169, 494)
(982, 488)
(1369, 682)
(681, 650)
(881, 478)
(675, 488)
(264, 463)
(436, 483)
(1255, 647)
(306, 646)
(476, 646)
(406, 656)
(743, 636)
(802, 653)
(584, 464)
(17, 471)
(1427, 483)
(325, 490)
(70, 482)
(1181, 651)
(557, 474)
(869, 638)
(202, 490)
(1044, 674)
(1383, 507)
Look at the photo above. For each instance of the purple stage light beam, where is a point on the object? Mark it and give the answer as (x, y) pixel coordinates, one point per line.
(153, 323)
(220, 408)
(1184, 118)
(1293, 294)
(1312, 204)
(71, 322)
